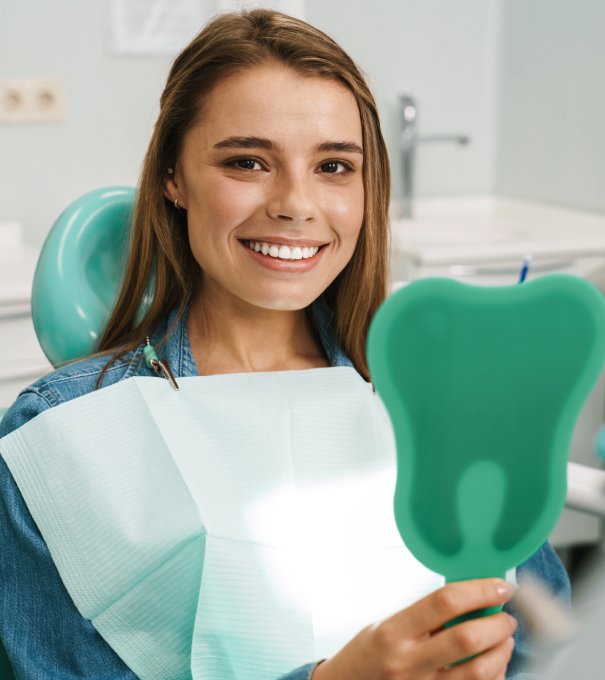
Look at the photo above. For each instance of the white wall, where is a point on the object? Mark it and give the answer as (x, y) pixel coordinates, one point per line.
(111, 106)
(551, 108)
(441, 51)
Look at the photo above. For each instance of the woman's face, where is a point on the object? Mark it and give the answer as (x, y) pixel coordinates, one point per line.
(271, 178)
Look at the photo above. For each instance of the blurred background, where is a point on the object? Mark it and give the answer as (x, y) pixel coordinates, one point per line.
(519, 77)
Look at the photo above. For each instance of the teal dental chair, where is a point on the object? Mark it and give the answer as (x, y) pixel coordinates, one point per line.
(79, 272)
(76, 282)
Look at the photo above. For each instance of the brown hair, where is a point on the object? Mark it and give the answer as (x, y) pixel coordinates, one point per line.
(160, 262)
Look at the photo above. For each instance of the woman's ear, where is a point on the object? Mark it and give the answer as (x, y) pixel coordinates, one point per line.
(171, 189)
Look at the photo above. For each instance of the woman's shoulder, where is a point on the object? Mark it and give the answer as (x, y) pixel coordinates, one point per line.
(69, 382)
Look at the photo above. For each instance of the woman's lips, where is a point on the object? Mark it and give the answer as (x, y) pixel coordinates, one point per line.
(282, 241)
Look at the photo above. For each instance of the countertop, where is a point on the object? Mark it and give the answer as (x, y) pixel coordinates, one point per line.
(472, 229)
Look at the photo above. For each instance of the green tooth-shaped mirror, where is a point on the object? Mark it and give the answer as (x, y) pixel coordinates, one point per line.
(483, 386)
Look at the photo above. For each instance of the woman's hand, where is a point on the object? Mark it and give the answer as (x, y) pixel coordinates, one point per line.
(414, 645)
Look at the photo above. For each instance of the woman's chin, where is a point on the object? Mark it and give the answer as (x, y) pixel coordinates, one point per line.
(283, 305)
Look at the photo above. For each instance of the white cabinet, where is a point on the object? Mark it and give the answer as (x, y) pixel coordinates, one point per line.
(21, 358)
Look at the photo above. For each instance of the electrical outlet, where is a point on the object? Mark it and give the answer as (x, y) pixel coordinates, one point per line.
(32, 99)
(12, 101)
(46, 100)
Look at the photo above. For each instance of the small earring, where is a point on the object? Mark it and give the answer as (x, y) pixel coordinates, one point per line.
(176, 203)
(170, 171)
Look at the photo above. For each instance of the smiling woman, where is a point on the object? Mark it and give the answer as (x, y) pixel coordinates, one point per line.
(240, 527)
(297, 192)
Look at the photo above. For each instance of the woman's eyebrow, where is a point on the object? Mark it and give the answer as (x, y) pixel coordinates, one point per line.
(268, 145)
(343, 147)
(245, 143)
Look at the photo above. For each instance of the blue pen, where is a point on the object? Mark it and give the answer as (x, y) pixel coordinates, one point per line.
(524, 268)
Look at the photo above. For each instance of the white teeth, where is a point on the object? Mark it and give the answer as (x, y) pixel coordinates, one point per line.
(282, 252)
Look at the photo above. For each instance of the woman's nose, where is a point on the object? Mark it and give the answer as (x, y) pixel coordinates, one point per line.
(292, 200)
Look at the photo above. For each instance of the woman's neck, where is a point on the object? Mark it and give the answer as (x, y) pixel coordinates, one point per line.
(231, 336)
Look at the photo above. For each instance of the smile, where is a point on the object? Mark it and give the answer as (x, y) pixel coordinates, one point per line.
(282, 252)
(286, 258)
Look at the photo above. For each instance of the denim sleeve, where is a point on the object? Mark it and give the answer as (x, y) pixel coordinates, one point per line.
(546, 567)
(44, 635)
(301, 673)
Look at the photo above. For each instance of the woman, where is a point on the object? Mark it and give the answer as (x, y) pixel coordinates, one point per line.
(262, 222)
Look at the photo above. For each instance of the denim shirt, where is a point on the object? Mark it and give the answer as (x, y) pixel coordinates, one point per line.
(44, 635)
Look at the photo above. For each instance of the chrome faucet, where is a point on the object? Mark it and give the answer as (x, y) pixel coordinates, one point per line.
(409, 139)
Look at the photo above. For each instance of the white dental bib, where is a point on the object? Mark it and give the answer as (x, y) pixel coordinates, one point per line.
(233, 530)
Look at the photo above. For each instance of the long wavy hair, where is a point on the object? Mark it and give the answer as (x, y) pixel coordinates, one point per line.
(160, 263)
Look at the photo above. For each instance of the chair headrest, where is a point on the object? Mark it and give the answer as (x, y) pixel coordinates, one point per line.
(79, 272)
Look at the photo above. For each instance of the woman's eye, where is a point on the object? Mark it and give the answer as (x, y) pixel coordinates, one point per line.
(336, 168)
(245, 164)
